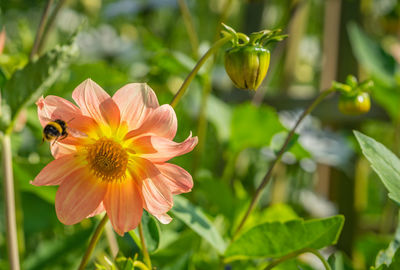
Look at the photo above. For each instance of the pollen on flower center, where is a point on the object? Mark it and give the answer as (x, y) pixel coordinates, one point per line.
(107, 159)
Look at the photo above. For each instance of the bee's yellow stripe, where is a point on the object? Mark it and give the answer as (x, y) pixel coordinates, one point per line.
(56, 125)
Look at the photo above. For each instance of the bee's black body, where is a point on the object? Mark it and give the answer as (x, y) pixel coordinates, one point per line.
(54, 130)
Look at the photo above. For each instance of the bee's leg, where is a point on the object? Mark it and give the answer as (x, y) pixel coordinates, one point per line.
(54, 142)
(63, 137)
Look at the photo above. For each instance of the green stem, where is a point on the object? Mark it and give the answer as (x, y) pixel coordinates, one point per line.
(11, 225)
(112, 242)
(202, 123)
(297, 253)
(268, 175)
(40, 29)
(199, 64)
(188, 21)
(50, 24)
(144, 247)
(93, 242)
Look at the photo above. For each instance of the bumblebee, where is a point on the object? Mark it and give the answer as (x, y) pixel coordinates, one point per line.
(55, 130)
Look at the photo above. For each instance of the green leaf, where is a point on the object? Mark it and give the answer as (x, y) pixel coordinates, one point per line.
(151, 232)
(3, 78)
(253, 126)
(276, 239)
(386, 256)
(384, 163)
(124, 263)
(339, 261)
(394, 264)
(371, 55)
(27, 84)
(51, 252)
(196, 220)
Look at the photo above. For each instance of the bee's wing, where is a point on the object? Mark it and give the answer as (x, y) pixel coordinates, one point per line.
(48, 120)
(76, 133)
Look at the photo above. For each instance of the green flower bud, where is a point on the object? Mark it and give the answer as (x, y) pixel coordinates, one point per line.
(247, 65)
(354, 104)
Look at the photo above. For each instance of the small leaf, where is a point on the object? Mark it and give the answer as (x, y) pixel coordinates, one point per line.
(196, 220)
(386, 256)
(27, 84)
(253, 126)
(276, 239)
(384, 163)
(394, 264)
(124, 263)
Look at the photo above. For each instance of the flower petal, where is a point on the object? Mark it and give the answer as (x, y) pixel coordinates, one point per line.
(160, 122)
(164, 218)
(178, 180)
(135, 102)
(96, 103)
(100, 209)
(59, 149)
(159, 149)
(53, 107)
(56, 171)
(78, 196)
(124, 206)
(157, 196)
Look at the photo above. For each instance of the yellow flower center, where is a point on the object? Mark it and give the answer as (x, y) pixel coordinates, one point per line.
(107, 159)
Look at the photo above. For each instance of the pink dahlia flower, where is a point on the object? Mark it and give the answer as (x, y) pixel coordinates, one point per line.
(115, 156)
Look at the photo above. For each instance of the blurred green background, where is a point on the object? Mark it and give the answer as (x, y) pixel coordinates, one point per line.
(147, 41)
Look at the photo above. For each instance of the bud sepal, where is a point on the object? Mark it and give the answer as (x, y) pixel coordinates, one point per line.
(247, 61)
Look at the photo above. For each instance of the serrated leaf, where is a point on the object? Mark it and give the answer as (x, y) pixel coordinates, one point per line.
(277, 239)
(196, 220)
(27, 84)
(383, 162)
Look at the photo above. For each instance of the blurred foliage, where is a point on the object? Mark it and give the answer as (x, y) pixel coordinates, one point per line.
(146, 41)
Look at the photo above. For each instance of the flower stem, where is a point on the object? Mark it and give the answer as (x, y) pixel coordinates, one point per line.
(196, 68)
(268, 175)
(188, 21)
(295, 254)
(49, 25)
(112, 242)
(11, 225)
(93, 242)
(40, 29)
(144, 247)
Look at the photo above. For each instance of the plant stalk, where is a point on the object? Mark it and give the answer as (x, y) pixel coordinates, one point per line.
(40, 29)
(112, 242)
(188, 21)
(93, 242)
(196, 69)
(268, 175)
(146, 255)
(297, 253)
(50, 24)
(9, 196)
